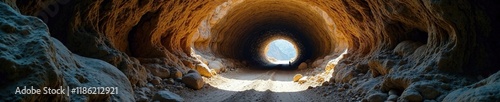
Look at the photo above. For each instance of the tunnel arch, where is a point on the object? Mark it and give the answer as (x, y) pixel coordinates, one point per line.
(243, 31)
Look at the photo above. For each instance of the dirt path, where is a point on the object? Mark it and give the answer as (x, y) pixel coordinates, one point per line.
(252, 85)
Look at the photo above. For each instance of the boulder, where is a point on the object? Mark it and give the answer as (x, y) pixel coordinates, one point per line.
(193, 80)
(167, 96)
(297, 77)
(203, 69)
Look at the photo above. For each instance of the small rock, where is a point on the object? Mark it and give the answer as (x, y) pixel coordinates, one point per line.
(393, 92)
(329, 66)
(159, 86)
(203, 69)
(176, 74)
(303, 80)
(325, 83)
(178, 87)
(392, 98)
(213, 72)
(411, 95)
(320, 79)
(145, 90)
(156, 80)
(297, 77)
(188, 64)
(341, 89)
(193, 80)
(217, 66)
(377, 97)
(159, 71)
(141, 94)
(302, 65)
(167, 96)
(430, 92)
(170, 81)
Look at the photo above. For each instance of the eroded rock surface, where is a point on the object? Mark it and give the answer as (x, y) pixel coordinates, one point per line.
(30, 57)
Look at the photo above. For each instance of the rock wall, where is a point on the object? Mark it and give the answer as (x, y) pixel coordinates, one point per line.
(30, 58)
(420, 46)
(123, 33)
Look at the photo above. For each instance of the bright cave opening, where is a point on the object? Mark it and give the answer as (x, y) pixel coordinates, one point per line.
(281, 51)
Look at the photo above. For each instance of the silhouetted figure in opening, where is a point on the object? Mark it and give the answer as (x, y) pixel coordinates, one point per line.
(289, 64)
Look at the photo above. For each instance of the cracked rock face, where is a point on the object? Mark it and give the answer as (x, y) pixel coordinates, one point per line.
(413, 47)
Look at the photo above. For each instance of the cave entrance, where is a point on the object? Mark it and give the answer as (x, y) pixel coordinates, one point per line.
(280, 51)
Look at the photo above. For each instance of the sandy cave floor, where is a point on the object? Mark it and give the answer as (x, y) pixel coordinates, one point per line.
(246, 84)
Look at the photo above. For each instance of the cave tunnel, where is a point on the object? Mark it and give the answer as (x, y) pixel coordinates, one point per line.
(245, 30)
(214, 50)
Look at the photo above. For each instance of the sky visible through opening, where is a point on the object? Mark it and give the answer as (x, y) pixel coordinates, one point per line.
(281, 51)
